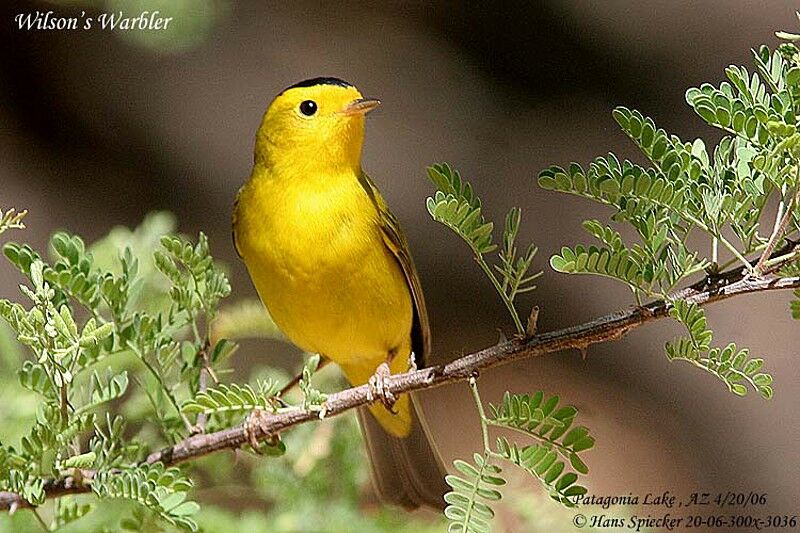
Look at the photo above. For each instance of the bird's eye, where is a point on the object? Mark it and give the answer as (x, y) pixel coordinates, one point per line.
(308, 107)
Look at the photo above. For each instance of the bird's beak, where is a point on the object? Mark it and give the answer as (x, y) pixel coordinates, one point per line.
(362, 106)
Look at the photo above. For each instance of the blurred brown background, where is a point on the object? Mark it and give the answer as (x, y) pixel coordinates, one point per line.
(98, 128)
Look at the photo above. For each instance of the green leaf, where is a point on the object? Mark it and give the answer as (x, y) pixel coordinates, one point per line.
(68, 511)
(544, 465)
(153, 487)
(468, 508)
(552, 426)
(84, 460)
(105, 389)
(313, 398)
(34, 377)
(233, 398)
(729, 364)
(456, 205)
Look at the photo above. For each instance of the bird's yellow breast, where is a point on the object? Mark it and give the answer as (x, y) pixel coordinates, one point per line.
(316, 255)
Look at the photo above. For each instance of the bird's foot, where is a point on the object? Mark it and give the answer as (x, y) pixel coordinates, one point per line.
(412, 362)
(378, 388)
(256, 420)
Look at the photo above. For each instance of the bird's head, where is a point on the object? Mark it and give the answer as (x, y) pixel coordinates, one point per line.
(317, 122)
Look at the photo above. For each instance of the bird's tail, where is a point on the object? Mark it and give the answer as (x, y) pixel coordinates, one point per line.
(406, 471)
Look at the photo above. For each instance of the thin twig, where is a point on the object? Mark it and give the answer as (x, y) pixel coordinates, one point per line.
(167, 392)
(778, 232)
(781, 207)
(40, 519)
(608, 328)
(202, 380)
(473, 385)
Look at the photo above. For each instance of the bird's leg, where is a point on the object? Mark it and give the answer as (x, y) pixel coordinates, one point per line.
(257, 419)
(378, 387)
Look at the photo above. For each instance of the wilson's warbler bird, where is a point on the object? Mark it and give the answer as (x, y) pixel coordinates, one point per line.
(333, 268)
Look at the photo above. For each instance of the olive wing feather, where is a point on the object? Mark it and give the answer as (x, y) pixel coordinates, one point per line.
(396, 242)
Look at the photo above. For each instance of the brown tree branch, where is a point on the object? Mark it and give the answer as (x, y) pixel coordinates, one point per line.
(603, 329)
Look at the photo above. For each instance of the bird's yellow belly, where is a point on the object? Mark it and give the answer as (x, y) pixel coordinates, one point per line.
(333, 287)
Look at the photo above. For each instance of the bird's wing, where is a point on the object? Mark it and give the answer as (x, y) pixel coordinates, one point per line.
(234, 221)
(397, 244)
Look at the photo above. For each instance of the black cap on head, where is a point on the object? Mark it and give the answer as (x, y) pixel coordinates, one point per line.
(311, 82)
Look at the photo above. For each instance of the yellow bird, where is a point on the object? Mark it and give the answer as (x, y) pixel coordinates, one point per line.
(333, 268)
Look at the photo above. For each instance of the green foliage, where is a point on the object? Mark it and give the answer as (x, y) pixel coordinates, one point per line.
(634, 266)
(513, 269)
(118, 332)
(694, 318)
(197, 283)
(745, 106)
(67, 511)
(542, 420)
(67, 344)
(551, 426)
(136, 522)
(104, 390)
(457, 206)
(688, 189)
(657, 208)
(543, 464)
(245, 319)
(233, 398)
(312, 397)
(162, 491)
(469, 503)
(109, 447)
(788, 36)
(733, 366)
(318, 484)
(31, 489)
